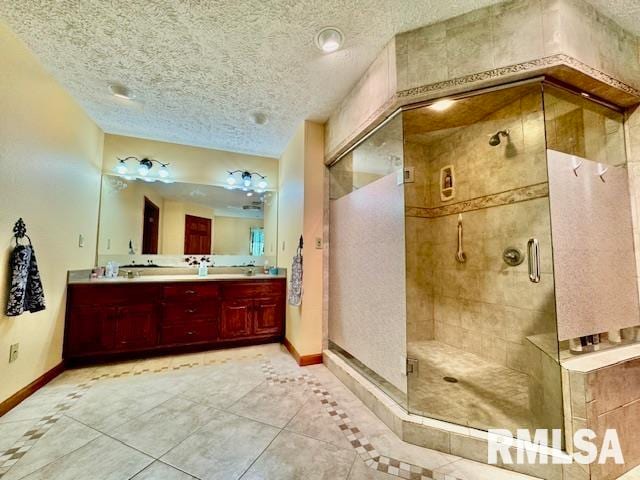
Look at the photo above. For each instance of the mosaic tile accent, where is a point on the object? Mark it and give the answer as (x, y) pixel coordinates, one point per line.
(10, 457)
(358, 440)
(509, 197)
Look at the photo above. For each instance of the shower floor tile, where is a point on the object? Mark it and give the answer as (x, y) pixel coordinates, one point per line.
(486, 395)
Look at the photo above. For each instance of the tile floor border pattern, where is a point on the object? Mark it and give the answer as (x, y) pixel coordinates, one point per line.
(27, 441)
(358, 440)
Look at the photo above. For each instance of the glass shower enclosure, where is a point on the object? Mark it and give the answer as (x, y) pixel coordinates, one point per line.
(442, 288)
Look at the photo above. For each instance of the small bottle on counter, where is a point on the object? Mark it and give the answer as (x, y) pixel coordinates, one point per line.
(203, 270)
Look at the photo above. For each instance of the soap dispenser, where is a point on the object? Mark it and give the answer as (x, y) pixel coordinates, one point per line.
(202, 269)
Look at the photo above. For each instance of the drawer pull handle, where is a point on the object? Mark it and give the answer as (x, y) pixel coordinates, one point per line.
(189, 333)
(191, 310)
(189, 292)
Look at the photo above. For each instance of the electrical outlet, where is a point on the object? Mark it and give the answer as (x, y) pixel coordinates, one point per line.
(13, 352)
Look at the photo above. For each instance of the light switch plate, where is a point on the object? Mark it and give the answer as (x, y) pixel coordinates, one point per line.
(13, 352)
(319, 243)
(81, 240)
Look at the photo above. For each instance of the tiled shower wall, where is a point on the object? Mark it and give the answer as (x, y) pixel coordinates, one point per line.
(483, 305)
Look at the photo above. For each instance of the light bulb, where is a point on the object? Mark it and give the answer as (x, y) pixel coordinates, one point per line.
(247, 182)
(121, 168)
(441, 105)
(143, 170)
(163, 172)
(262, 184)
(231, 179)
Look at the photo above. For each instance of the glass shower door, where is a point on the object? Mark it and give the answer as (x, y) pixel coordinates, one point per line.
(481, 324)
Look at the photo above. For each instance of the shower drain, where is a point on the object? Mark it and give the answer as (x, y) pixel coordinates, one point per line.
(450, 379)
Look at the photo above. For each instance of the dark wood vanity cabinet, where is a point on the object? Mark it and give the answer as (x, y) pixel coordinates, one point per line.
(113, 320)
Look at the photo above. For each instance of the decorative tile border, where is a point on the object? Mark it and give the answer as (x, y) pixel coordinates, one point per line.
(11, 456)
(509, 197)
(358, 440)
(405, 97)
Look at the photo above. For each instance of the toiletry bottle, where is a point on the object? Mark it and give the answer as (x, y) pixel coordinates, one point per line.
(266, 267)
(203, 270)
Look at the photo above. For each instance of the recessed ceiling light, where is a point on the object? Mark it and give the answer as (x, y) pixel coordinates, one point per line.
(329, 39)
(441, 105)
(120, 91)
(259, 118)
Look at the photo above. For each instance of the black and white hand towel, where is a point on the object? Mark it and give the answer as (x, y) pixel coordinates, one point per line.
(26, 292)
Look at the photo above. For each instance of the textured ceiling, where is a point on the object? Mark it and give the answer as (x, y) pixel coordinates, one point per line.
(201, 68)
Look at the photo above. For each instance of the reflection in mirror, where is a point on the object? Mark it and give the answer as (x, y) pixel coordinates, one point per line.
(163, 224)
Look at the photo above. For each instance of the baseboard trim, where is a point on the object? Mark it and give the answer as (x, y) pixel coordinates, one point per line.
(30, 389)
(302, 360)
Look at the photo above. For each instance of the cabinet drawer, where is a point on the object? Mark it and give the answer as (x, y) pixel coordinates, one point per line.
(128, 294)
(253, 289)
(190, 291)
(184, 312)
(184, 333)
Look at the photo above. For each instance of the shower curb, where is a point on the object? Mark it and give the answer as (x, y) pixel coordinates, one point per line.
(438, 435)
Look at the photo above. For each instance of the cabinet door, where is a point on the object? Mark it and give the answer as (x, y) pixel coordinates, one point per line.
(235, 318)
(268, 316)
(136, 326)
(90, 330)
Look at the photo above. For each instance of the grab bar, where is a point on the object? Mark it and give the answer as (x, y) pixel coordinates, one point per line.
(533, 250)
(461, 257)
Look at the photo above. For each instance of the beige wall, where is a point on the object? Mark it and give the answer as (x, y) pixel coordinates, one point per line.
(300, 212)
(51, 154)
(188, 164)
(231, 235)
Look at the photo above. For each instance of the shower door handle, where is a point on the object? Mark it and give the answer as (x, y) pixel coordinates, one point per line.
(533, 252)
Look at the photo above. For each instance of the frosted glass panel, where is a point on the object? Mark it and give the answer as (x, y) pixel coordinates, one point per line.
(593, 255)
(367, 277)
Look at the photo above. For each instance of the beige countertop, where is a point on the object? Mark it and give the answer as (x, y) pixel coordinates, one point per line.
(213, 277)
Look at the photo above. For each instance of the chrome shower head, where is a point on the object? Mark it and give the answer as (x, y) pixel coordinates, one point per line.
(495, 139)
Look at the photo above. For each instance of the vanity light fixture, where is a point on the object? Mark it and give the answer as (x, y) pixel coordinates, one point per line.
(144, 170)
(329, 39)
(246, 181)
(441, 105)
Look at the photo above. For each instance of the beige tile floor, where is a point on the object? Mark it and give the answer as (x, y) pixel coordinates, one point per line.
(212, 415)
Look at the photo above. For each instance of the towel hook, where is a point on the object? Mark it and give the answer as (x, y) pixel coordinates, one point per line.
(601, 170)
(20, 231)
(577, 163)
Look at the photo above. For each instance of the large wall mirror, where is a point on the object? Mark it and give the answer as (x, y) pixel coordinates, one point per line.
(165, 224)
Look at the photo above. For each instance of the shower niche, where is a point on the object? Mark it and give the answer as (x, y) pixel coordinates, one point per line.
(485, 337)
(447, 183)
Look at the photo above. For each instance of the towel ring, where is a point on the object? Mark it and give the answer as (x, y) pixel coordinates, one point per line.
(20, 231)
